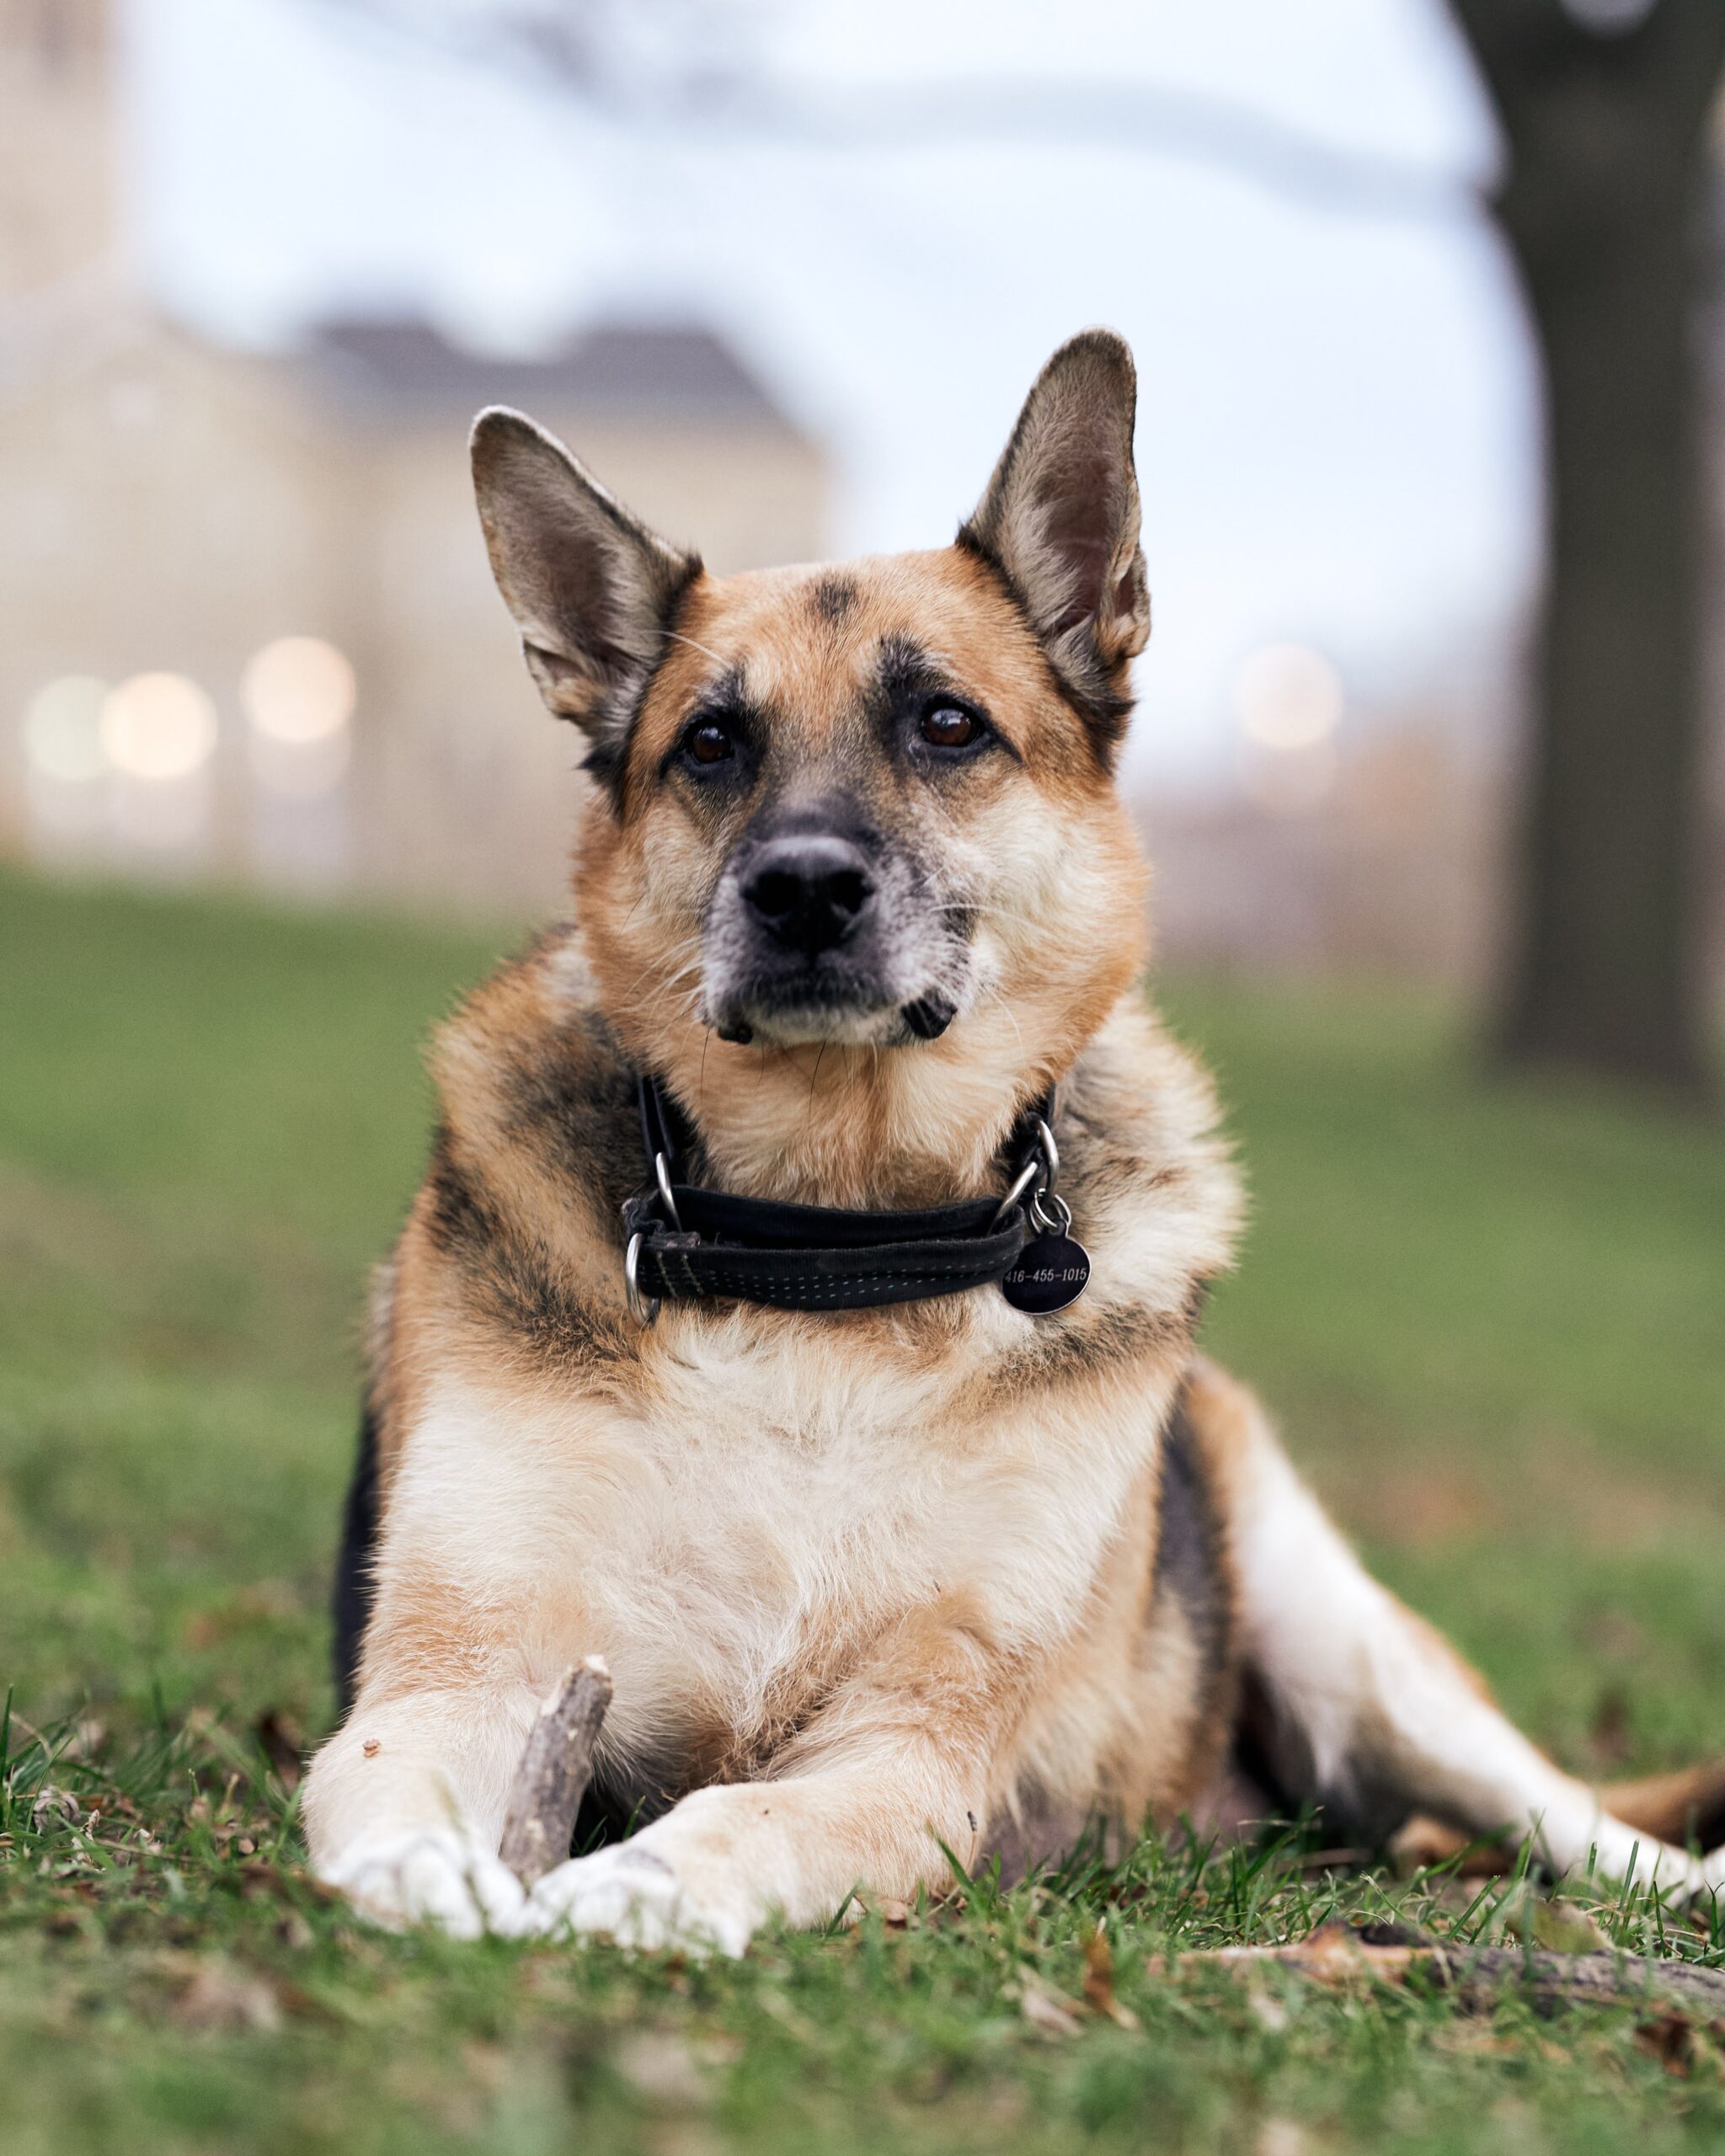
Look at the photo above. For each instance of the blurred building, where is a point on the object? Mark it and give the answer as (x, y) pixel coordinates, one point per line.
(247, 626)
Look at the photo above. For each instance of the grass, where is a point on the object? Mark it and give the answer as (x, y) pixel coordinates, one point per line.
(1492, 1321)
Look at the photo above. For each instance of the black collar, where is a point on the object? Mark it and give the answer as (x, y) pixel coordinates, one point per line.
(685, 1242)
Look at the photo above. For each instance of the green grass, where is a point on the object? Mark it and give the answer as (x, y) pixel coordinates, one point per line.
(1492, 1321)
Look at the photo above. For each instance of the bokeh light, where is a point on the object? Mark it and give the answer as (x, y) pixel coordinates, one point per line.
(1288, 697)
(62, 730)
(298, 689)
(159, 727)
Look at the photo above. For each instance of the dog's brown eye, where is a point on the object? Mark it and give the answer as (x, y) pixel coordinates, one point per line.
(945, 726)
(710, 742)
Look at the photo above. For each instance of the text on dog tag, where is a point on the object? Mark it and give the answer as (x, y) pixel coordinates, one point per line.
(1048, 1272)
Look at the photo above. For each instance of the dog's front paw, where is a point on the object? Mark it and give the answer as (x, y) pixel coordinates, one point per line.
(631, 1894)
(433, 1875)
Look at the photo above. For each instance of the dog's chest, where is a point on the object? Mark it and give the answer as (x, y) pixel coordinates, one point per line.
(736, 1534)
(781, 1510)
(738, 1530)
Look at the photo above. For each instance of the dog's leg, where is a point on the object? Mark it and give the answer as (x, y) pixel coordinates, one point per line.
(897, 1764)
(1367, 1703)
(404, 1806)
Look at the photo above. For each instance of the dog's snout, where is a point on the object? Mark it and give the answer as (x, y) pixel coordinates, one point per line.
(808, 892)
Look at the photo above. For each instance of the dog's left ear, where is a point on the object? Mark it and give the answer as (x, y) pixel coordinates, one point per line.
(1059, 521)
(591, 589)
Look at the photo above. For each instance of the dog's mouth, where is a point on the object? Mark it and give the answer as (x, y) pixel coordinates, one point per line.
(832, 1004)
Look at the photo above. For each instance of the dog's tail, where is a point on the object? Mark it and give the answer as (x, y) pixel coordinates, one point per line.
(1686, 1807)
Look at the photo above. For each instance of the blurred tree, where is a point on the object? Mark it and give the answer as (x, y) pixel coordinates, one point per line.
(1604, 109)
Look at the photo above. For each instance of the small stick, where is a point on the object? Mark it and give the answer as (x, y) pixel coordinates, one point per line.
(1477, 1977)
(556, 1765)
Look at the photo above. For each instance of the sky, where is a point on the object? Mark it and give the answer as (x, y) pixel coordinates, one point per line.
(1336, 438)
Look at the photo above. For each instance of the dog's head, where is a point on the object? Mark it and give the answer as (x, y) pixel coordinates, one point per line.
(868, 807)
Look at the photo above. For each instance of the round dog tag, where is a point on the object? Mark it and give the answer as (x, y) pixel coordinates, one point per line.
(1048, 1272)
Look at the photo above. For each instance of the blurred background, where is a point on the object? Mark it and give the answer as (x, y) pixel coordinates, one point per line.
(781, 270)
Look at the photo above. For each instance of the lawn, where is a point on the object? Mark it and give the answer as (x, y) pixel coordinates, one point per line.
(1492, 1321)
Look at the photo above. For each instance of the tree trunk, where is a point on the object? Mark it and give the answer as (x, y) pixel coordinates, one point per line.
(1603, 210)
(1608, 967)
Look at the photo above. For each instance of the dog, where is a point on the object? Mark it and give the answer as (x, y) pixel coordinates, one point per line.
(893, 1549)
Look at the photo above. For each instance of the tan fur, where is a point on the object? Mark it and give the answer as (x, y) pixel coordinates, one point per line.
(871, 1583)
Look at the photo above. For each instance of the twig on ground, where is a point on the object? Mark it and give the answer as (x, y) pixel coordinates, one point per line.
(556, 1765)
(1479, 1977)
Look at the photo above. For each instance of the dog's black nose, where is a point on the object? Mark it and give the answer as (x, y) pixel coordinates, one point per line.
(810, 891)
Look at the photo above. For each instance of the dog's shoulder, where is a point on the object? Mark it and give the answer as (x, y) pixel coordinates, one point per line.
(517, 1223)
(1144, 1154)
(1156, 1203)
(534, 1092)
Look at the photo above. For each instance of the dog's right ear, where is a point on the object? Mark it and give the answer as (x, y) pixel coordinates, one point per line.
(591, 589)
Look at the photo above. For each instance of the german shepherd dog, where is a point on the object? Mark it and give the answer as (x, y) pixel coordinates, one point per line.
(854, 888)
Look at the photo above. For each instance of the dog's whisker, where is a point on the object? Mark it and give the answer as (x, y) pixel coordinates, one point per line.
(676, 636)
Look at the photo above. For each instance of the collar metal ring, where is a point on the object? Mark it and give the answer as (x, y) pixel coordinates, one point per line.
(1022, 1181)
(644, 1308)
(1056, 1222)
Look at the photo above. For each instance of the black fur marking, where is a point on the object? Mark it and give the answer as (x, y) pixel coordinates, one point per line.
(906, 669)
(833, 598)
(351, 1601)
(907, 679)
(1191, 1555)
(510, 1274)
(716, 792)
(572, 1101)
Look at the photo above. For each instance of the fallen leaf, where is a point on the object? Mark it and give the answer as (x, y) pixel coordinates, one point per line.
(1099, 1981)
(1564, 1926)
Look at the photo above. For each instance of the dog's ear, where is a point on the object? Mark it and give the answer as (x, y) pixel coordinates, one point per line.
(1059, 521)
(591, 589)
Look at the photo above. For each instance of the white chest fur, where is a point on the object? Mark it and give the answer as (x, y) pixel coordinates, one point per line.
(769, 1504)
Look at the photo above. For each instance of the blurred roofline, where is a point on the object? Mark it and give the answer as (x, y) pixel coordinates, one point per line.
(403, 366)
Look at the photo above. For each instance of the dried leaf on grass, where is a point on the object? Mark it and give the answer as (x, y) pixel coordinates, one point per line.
(1099, 1982)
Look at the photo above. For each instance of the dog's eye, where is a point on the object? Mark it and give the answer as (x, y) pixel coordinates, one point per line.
(949, 726)
(708, 742)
